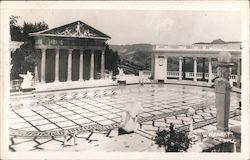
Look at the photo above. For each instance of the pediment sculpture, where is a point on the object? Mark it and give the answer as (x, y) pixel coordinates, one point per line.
(78, 31)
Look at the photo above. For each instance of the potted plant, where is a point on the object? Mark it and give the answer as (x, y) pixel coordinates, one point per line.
(172, 140)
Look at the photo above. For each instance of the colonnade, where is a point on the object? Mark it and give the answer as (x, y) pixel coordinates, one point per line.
(195, 69)
(69, 66)
(160, 71)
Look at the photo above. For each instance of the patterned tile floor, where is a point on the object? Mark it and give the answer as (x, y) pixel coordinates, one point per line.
(97, 107)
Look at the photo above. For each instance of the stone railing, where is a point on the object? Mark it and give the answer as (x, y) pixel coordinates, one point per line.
(172, 74)
(145, 73)
(175, 74)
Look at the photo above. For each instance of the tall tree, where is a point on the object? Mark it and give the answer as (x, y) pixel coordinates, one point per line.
(24, 58)
(15, 30)
(111, 60)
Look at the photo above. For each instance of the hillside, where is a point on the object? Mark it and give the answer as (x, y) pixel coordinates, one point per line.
(134, 57)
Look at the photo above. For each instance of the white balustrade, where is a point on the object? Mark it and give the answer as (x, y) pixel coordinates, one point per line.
(145, 73)
(172, 74)
(175, 74)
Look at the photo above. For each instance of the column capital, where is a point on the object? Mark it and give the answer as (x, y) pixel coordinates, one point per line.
(209, 58)
(180, 58)
(195, 58)
(43, 49)
(57, 49)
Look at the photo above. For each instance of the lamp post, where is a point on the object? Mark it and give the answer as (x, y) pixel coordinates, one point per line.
(222, 91)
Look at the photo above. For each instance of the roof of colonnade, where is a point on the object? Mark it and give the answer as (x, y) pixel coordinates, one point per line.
(195, 50)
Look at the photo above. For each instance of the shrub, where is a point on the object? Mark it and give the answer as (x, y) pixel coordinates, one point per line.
(172, 140)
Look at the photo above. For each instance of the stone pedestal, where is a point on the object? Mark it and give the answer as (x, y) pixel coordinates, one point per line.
(222, 91)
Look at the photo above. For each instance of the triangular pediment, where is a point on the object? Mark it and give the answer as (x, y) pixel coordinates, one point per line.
(75, 29)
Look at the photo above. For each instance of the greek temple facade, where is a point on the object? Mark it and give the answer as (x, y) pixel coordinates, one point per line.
(72, 52)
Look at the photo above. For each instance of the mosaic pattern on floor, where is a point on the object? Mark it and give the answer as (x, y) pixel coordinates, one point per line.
(99, 110)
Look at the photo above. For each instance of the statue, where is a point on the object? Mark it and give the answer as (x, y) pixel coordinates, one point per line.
(129, 118)
(121, 76)
(78, 29)
(27, 83)
(121, 72)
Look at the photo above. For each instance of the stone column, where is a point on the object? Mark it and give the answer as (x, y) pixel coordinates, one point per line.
(81, 66)
(209, 70)
(180, 68)
(69, 65)
(43, 63)
(92, 63)
(195, 69)
(102, 64)
(239, 73)
(57, 66)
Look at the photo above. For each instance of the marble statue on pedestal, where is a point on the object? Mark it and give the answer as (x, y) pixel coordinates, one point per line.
(121, 75)
(129, 118)
(27, 83)
(121, 72)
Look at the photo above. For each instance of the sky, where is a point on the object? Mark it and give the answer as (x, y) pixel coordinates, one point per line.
(146, 26)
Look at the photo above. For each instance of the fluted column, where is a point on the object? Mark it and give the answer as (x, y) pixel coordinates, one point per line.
(81, 66)
(180, 68)
(57, 66)
(43, 65)
(195, 69)
(102, 64)
(209, 70)
(69, 65)
(92, 63)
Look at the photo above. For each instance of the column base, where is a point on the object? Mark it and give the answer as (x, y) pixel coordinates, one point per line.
(42, 82)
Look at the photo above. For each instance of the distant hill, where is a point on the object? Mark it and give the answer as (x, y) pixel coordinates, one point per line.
(134, 57)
